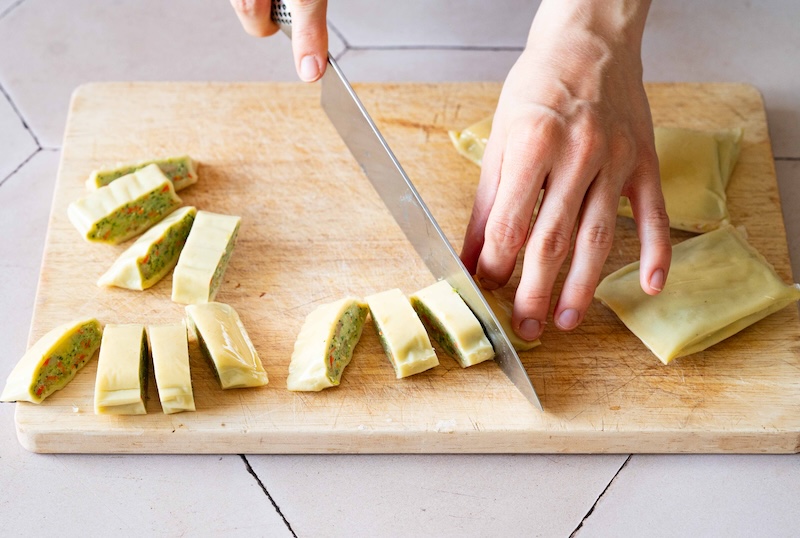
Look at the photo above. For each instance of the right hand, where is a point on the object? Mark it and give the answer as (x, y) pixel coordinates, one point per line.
(309, 31)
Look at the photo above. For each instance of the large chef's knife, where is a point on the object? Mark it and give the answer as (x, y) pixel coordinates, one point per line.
(379, 164)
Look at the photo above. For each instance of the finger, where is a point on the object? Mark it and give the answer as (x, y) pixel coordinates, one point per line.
(652, 224)
(592, 246)
(484, 198)
(526, 162)
(255, 16)
(547, 249)
(309, 38)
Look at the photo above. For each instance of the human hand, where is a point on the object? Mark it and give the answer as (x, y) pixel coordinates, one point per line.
(572, 119)
(309, 31)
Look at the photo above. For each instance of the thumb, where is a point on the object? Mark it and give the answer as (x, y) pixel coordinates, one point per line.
(309, 38)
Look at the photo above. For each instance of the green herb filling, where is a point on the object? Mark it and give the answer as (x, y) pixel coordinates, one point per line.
(344, 340)
(61, 366)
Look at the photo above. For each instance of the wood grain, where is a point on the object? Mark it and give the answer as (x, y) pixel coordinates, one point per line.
(313, 230)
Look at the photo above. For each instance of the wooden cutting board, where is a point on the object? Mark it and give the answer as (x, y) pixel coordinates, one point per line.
(313, 230)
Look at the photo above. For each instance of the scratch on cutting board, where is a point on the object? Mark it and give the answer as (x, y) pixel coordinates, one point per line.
(338, 412)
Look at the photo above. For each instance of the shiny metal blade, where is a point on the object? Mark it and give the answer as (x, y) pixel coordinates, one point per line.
(379, 164)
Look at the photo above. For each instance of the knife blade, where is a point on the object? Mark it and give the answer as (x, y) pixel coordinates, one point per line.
(390, 181)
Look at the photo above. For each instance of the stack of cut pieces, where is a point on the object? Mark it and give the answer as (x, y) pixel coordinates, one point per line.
(329, 335)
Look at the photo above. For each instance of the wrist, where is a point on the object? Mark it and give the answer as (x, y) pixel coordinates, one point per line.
(617, 23)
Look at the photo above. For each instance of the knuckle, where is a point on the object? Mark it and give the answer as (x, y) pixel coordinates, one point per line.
(308, 34)
(598, 237)
(583, 291)
(507, 233)
(530, 135)
(532, 303)
(248, 8)
(648, 158)
(590, 146)
(656, 217)
(552, 245)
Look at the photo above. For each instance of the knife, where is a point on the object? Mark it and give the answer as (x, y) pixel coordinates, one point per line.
(365, 142)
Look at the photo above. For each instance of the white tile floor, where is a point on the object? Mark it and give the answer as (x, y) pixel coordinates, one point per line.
(48, 48)
(17, 142)
(441, 495)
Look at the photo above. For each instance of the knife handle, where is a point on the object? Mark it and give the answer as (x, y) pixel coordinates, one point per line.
(281, 16)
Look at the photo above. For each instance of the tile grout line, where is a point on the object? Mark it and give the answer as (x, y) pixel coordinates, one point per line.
(787, 158)
(264, 489)
(11, 8)
(341, 55)
(19, 115)
(18, 168)
(339, 34)
(589, 513)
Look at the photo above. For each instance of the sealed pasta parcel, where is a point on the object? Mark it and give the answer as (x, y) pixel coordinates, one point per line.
(718, 285)
(695, 168)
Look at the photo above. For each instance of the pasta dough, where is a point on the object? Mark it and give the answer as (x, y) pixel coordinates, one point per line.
(695, 169)
(452, 324)
(204, 258)
(226, 345)
(125, 208)
(53, 361)
(502, 312)
(153, 255)
(179, 170)
(169, 349)
(402, 334)
(325, 344)
(121, 383)
(718, 284)
(471, 142)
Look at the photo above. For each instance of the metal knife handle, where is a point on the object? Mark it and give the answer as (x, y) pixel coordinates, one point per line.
(281, 16)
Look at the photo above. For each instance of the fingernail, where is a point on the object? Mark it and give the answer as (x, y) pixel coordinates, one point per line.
(568, 319)
(309, 68)
(657, 280)
(529, 329)
(489, 284)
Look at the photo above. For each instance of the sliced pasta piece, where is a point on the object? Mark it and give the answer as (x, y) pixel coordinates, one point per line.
(226, 345)
(451, 324)
(325, 344)
(121, 383)
(53, 361)
(402, 334)
(153, 255)
(169, 349)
